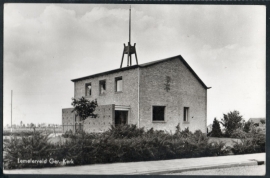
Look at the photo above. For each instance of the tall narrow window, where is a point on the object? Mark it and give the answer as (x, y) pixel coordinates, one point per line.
(118, 84)
(88, 89)
(102, 87)
(186, 114)
(158, 113)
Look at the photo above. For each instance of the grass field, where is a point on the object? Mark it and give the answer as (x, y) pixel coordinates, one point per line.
(17, 131)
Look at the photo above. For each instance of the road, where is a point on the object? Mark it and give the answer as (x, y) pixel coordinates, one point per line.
(241, 170)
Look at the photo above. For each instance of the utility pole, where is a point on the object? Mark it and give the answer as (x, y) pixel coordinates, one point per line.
(11, 111)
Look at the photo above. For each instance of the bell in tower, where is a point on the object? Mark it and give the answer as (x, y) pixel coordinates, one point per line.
(129, 50)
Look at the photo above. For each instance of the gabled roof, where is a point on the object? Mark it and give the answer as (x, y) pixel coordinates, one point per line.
(145, 65)
(105, 73)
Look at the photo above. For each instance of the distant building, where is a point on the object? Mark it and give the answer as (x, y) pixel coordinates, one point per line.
(43, 125)
(258, 122)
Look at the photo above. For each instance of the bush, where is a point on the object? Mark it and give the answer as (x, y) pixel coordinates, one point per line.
(239, 133)
(35, 147)
(218, 149)
(119, 144)
(247, 126)
(125, 131)
(253, 143)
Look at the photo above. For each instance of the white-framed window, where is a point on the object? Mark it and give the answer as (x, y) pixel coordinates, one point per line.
(102, 87)
(118, 84)
(88, 89)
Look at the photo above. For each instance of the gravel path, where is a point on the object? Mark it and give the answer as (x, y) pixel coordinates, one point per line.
(245, 170)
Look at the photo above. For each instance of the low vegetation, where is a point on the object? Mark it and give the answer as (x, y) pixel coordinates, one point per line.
(118, 144)
(252, 138)
(121, 144)
(252, 142)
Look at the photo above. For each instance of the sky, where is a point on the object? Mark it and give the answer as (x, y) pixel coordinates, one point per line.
(47, 45)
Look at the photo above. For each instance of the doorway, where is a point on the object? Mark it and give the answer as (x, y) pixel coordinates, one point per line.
(121, 117)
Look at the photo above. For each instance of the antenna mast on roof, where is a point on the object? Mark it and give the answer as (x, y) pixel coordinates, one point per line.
(129, 50)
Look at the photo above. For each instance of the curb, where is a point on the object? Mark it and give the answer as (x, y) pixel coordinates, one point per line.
(184, 169)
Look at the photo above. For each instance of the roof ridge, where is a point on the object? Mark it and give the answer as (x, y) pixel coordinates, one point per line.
(146, 65)
(160, 60)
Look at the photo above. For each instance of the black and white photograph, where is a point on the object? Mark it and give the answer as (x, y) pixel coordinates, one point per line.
(134, 89)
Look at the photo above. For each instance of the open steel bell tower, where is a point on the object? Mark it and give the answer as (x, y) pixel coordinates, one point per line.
(129, 50)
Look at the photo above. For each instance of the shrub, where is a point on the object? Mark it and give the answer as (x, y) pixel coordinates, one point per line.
(247, 126)
(239, 133)
(119, 144)
(244, 147)
(259, 139)
(78, 148)
(68, 134)
(216, 131)
(217, 149)
(253, 143)
(35, 147)
(125, 131)
(129, 143)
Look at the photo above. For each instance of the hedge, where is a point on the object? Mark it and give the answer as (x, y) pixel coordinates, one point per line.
(119, 144)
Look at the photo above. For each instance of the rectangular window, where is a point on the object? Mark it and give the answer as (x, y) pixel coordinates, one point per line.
(102, 87)
(88, 89)
(186, 114)
(158, 113)
(118, 84)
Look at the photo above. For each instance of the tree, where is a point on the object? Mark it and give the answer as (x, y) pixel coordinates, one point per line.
(232, 121)
(32, 125)
(262, 121)
(247, 126)
(84, 108)
(216, 131)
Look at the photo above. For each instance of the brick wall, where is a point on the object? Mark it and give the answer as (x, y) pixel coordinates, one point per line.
(185, 91)
(128, 97)
(102, 122)
(68, 119)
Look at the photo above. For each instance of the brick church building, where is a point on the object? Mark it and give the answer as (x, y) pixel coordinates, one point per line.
(159, 95)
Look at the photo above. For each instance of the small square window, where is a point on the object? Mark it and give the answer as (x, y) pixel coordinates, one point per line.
(102, 87)
(88, 89)
(158, 113)
(186, 109)
(118, 84)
